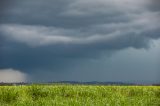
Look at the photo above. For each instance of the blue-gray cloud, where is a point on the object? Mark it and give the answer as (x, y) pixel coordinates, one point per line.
(52, 34)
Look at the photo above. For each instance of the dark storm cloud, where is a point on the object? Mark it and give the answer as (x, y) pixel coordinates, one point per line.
(49, 34)
(4, 4)
(68, 13)
(155, 5)
(33, 12)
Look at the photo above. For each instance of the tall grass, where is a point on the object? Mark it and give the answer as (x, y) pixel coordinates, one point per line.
(79, 95)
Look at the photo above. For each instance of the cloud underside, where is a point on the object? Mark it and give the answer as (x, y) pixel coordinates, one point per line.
(100, 23)
(48, 34)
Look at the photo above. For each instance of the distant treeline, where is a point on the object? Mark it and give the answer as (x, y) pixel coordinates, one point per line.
(74, 83)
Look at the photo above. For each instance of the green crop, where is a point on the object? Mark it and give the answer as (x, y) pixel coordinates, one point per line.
(79, 95)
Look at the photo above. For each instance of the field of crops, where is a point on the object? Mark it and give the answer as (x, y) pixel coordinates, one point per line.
(79, 95)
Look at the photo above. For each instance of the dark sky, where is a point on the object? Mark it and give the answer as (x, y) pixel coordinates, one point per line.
(80, 40)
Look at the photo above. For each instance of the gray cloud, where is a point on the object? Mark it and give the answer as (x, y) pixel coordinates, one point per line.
(54, 34)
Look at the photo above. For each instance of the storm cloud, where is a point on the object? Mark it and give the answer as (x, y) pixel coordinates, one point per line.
(50, 35)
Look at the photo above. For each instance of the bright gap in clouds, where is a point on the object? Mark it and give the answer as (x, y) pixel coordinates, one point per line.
(12, 76)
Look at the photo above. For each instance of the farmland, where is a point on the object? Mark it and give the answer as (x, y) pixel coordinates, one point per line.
(79, 95)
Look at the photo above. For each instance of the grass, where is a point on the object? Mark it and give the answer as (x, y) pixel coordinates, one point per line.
(79, 95)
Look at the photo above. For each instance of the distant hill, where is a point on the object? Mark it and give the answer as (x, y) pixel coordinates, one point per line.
(74, 83)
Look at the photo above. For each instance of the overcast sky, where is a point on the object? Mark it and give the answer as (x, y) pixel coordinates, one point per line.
(80, 40)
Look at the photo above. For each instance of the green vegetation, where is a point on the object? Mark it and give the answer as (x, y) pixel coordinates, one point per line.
(79, 95)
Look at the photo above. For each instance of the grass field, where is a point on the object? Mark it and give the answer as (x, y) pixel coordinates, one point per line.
(79, 95)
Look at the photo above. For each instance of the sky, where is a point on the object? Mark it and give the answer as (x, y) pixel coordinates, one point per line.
(80, 40)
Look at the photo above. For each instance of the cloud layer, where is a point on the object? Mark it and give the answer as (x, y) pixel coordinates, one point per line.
(50, 34)
(89, 22)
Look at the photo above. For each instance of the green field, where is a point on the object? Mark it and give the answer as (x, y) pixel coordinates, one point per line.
(79, 95)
